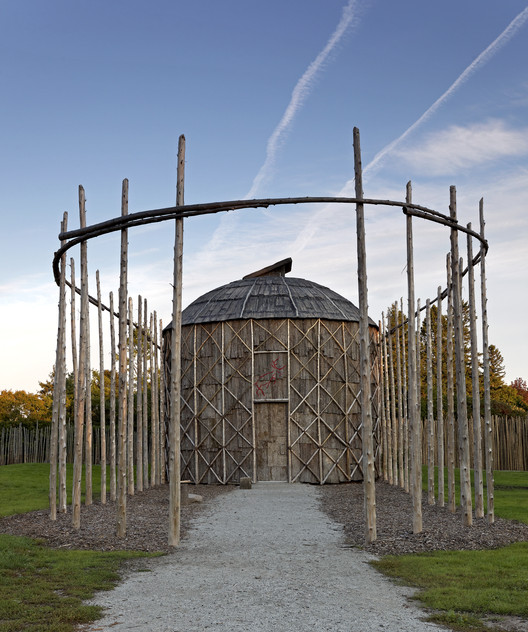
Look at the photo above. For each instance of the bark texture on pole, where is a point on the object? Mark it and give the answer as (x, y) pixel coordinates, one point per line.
(488, 435)
(139, 399)
(413, 406)
(175, 388)
(58, 379)
(475, 387)
(81, 380)
(130, 409)
(367, 438)
(430, 411)
(439, 401)
(462, 421)
(102, 393)
(112, 411)
(122, 391)
(451, 499)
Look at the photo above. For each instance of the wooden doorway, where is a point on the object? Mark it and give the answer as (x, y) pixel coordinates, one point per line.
(271, 423)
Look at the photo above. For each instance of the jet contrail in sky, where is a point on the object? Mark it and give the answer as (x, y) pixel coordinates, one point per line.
(510, 31)
(299, 94)
(484, 57)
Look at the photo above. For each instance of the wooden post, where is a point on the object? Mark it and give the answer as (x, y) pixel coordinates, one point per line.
(430, 411)
(413, 406)
(462, 421)
(88, 457)
(175, 390)
(162, 410)
(488, 435)
(139, 402)
(145, 399)
(130, 416)
(58, 378)
(122, 405)
(364, 354)
(439, 401)
(153, 420)
(75, 364)
(102, 392)
(388, 424)
(475, 386)
(393, 418)
(383, 418)
(399, 385)
(404, 399)
(112, 429)
(451, 500)
(81, 378)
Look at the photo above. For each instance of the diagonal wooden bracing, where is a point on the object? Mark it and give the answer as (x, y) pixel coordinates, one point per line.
(233, 404)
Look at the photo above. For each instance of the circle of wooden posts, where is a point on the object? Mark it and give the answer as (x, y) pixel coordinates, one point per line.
(137, 459)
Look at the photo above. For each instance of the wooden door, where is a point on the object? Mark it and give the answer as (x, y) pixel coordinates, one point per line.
(272, 441)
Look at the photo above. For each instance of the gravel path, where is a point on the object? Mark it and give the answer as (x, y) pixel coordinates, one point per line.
(265, 559)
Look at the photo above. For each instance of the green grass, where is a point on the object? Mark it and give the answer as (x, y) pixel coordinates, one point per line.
(464, 586)
(41, 589)
(510, 492)
(25, 487)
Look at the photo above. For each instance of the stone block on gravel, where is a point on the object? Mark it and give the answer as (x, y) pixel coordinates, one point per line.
(245, 482)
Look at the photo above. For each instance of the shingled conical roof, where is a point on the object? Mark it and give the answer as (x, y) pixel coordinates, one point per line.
(269, 294)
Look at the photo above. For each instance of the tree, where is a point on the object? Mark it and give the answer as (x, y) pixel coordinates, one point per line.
(522, 389)
(21, 407)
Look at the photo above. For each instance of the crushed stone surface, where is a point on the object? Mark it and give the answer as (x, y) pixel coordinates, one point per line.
(262, 559)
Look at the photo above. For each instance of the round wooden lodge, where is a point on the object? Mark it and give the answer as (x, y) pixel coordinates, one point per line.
(270, 383)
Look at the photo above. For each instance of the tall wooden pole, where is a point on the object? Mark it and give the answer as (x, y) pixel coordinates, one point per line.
(153, 416)
(122, 404)
(175, 390)
(162, 411)
(145, 398)
(393, 418)
(130, 410)
(413, 406)
(58, 379)
(102, 392)
(383, 418)
(439, 401)
(399, 387)
(451, 499)
(404, 400)
(462, 421)
(388, 424)
(367, 439)
(88, 456)
(81, 381)
(430, 411)
(112, 411)
(488, 434)
(475, 386)
(139, 399)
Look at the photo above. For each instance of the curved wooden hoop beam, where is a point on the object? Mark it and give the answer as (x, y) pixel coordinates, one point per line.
(74, 237)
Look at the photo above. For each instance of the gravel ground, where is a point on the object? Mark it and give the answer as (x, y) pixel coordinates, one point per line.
(266, 559)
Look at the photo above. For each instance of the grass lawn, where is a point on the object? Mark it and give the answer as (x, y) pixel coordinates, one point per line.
(463, 586)
(42, 589)
(33, 479)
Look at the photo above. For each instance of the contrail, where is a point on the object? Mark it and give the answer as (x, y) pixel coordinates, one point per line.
(299, 94)
(483, 58)
(506, 35)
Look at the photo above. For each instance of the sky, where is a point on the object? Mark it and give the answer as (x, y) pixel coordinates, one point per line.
(267, 96)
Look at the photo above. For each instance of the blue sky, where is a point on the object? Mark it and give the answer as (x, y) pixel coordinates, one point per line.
(267, 95)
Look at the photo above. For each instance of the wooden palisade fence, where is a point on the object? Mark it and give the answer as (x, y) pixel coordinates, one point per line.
(400, 370)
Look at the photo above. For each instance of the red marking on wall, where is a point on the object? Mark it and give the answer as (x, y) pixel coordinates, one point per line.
(265, 380)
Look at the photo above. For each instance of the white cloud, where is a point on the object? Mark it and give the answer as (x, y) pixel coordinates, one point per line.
(448, 151)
